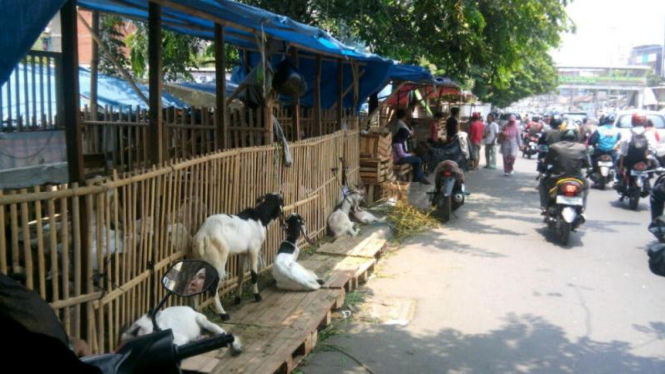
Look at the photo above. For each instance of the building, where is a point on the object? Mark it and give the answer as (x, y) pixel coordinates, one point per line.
(648, 55)
(599, 88)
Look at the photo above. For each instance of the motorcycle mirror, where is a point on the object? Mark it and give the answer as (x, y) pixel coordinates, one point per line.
(190, 277)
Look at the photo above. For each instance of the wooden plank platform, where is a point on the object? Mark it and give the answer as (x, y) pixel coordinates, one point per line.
(279, 331)
(346, 274)
(371, 245)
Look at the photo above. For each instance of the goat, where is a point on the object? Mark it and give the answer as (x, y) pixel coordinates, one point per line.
(186, 324)
(339, 222)
(288, 273)
(244, 234)
(365, 217)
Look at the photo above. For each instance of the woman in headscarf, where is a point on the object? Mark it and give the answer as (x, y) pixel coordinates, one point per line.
(510, 145)
(400, 156)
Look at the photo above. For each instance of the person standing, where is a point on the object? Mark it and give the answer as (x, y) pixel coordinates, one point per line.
(434, 126)
(510, 145)
(490, 136)
(452, 124)
(475, 140)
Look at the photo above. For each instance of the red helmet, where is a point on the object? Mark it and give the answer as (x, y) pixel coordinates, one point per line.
(639, 119)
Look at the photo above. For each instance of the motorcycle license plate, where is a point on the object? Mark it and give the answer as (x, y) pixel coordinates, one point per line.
(608, 164)
(569, 200)
(637, 173)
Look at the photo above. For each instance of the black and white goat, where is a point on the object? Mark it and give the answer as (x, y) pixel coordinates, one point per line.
(339, 222)
(186, 324)
(288, 273)
(242, 234)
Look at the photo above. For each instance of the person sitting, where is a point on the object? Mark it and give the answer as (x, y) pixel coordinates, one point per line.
(604, 139)
(567, 158)
(400, 156)
(400, 124)
(635, 147)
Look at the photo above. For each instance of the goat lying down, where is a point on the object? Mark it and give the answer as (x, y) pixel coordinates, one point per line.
(288, 273)
(244, 234)
(339, 222)
(186, 324)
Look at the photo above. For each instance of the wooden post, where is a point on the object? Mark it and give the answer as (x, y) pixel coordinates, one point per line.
(356, 93)
(94, 67)
(155, 63)
(74, 137)
(296, 100)
(340, 92)
(317, 95)
(220, 89)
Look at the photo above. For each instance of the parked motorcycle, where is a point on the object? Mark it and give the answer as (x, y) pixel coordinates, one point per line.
(531, 145)
(603, 171)
(636, 183)
(156, 352)
(449, 193)
(566, 203)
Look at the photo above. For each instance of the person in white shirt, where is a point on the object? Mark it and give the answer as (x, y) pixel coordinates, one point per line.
(490, 137)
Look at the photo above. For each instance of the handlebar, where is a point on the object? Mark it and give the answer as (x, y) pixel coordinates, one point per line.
(204, 345)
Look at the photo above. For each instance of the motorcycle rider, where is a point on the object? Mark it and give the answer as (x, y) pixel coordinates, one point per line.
(567, 159)
(604, 140)
(635, 147)
(550, 137)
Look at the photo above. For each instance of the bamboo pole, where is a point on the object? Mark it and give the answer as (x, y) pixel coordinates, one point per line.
(317, 96)
(155, 62)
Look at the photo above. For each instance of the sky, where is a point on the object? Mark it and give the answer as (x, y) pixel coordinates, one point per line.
(608, 29)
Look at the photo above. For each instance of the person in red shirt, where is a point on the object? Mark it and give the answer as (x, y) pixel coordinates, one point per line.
(475, 139)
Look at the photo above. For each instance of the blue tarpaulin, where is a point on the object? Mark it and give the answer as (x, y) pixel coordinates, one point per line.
(110, 91)
(239, 20)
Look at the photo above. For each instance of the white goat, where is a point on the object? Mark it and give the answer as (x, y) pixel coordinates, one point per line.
(366, 217)
(288, 273)
(186, 324)
(339, 222)
(244, 234)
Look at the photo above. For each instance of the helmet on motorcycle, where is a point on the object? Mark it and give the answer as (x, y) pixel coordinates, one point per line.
(556, 121)
(569, 135)
(639, 119)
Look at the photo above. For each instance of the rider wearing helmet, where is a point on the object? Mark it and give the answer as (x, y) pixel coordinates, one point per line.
(551, 136)
(634, 148)
(604, 139)
(567, 158)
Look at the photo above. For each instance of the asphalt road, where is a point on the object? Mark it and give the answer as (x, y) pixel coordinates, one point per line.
(494, 292)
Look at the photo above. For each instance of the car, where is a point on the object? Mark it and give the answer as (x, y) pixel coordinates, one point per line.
(623, 122)
(503, 119)
(575, 117)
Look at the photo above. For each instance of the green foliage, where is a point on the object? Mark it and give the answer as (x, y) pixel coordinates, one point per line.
(110, 27)
(499, 48)
(179, 52)
(654, 80)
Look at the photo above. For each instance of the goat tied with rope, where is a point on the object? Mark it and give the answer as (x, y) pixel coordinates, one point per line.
(339, 222)
(242, 234)
(286, 270)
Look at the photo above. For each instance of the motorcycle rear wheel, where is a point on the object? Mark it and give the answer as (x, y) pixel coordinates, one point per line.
(634, 201)
(444, 206)
(564, 232)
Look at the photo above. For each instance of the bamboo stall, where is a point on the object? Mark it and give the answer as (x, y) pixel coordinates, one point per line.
(141, 222)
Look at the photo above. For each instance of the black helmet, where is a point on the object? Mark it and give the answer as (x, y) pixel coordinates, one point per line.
(556, 121)
(569, 135)
(607, 119)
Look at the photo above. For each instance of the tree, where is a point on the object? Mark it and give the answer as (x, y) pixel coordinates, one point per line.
(500, 47)
(110, 27)
(179, 52)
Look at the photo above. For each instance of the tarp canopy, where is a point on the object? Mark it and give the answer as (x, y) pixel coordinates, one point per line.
(110, 91)
(243, 23)
(405, 94)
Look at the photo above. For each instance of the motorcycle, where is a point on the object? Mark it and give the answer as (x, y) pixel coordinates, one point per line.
(603, 171)
(530, 145)
(636, 183)
(564, 212)
(449, 193)
(156, 352)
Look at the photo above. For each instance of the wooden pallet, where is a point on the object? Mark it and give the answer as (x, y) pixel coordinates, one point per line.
(280, 330)
(375, 145)
(346, 274)
(375, 170)
(369, 246)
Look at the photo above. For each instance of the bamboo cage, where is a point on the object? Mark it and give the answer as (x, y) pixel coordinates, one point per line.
(121, 134)
(140, 222)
